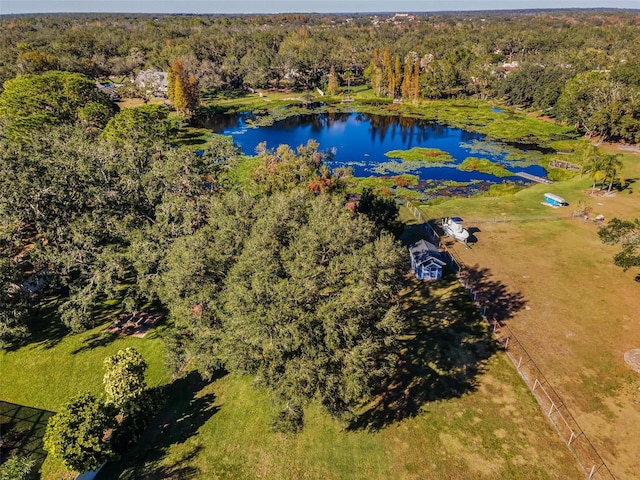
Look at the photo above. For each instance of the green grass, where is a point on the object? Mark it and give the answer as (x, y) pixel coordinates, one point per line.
(457, 410)
(502, 189)
(45, 375)
(54, 365)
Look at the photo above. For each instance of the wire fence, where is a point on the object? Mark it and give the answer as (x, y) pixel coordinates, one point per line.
(550, 402)
(504, 218)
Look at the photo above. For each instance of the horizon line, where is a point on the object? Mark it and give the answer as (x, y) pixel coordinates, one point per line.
(373, 12)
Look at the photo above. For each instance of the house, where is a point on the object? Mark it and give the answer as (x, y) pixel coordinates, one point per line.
(153, 82)
(426, 261)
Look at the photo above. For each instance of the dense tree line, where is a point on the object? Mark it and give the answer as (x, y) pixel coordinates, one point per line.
(275, 277)
(522, 58)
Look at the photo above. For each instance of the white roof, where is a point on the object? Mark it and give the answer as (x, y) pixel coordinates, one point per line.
(555, 197)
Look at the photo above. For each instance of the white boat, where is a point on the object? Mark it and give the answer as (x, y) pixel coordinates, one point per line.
(453, 228)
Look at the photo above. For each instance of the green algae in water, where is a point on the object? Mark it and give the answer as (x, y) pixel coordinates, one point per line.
(484, 166)
(421, 154)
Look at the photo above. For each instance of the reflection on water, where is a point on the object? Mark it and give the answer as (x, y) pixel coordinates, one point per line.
(360, 141)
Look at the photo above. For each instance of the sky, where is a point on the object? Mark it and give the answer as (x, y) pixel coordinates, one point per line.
(302, 6)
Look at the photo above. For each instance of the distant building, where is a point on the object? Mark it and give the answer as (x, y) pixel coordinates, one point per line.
(510, 66)
(401, 17)
(154, 82)
(426, 261)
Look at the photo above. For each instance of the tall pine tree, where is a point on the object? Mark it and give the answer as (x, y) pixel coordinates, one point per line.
(387, 72)
(333, 81)
(406, 79)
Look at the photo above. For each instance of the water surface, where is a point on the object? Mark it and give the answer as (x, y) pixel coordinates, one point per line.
(360, 141)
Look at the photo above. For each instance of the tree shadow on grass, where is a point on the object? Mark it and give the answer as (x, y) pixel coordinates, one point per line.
(99, 339)
(44, 325)
(185, 411)
(189, 138)
(493, 297)
(46, 329)
(442, 352)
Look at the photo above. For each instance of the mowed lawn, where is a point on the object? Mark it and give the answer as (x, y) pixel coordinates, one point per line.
(580, 313)
(53, 366)
(457, 410)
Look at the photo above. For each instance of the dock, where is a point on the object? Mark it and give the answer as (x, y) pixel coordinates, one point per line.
(534, 178)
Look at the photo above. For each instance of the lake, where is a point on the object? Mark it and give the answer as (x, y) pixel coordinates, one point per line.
(360, 141)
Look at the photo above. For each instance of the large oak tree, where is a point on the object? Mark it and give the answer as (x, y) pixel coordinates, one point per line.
(309, 308)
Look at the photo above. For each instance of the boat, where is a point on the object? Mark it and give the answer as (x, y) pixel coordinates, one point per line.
(453, 227)
(555, 200)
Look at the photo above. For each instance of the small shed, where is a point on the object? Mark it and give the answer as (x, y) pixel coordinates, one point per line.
(555, 200)
(426, 261)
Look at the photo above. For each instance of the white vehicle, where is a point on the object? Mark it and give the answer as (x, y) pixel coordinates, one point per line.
(453, 228)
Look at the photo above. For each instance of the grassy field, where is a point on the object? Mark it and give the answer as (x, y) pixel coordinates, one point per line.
(580, 311)
(457, 410)
(53, 366)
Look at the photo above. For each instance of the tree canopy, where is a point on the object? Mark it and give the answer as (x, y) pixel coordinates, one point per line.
(309, 306)
(30, 102)
(626, 233)
(76, 434)
(292, 288)
(99, 214)
(124, 377)
(147, 123)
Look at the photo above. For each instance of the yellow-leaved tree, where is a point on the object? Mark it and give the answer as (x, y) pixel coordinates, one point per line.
(183, 88)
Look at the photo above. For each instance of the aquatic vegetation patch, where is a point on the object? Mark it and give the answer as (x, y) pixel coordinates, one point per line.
(402, 181)
(388, 168)
(510, 153)
(474, 164)
(421, 154)
(410, 160)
